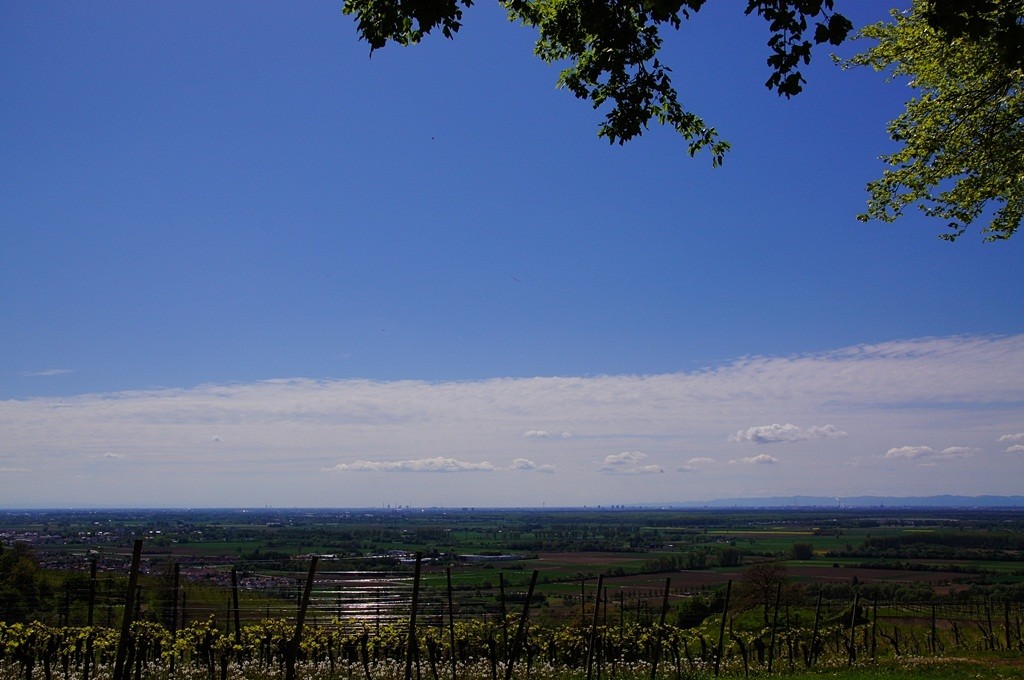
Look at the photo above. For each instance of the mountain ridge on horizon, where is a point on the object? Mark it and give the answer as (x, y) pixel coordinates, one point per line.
(864, 501)
(938, 501)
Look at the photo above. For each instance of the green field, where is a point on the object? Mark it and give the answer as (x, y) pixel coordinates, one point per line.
(928, 594)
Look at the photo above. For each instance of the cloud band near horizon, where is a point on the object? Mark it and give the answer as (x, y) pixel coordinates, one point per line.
(859, 406)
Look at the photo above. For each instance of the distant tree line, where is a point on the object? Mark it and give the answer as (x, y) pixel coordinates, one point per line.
(981, 540)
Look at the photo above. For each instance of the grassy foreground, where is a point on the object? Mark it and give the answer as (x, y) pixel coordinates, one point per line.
(921, 668)
(907, 668)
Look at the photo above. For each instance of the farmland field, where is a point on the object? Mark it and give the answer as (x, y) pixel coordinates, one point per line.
(844, 585)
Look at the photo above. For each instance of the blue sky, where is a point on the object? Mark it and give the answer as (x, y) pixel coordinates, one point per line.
(243, 263)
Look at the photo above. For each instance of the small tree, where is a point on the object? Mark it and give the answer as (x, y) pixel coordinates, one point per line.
(758, 584)
(22, 586)
(802, 551)
(729, 557)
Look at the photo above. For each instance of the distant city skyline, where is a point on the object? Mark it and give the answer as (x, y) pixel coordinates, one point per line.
(244, 264)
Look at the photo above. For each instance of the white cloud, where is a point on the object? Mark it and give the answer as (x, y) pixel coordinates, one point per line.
(961, 390)
(770, 434)
(525, 464)
(436, 464)
(1016, 448)
(216, 438)
(5, 470)
(544, 434)
(628, 463)
(113, 456)
(45, 373)
(694, 464)
(624, 458)
(928, 457)
(959, 451)
(1015, 438)
(910, 452)
(634, 470)
(762, 459)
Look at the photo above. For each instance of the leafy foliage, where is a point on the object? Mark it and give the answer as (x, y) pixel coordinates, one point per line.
(339, 651)
(612, 47)
(22, 587)
(994, 20)
(961, 137)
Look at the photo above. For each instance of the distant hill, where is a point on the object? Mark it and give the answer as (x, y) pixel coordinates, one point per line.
(944, 501)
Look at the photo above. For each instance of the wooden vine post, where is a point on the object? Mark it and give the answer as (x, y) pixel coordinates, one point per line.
(593, 629)
(933, 641)
(583, 600)
(521, 628)
(451, 621)
(411, 652)
(504, 613)
(853, 627)
(234, 605)
(661, 629)
(92, 606)
(293, 647)
(174, 612)
(622, 625)
(775, 625)
(813, 654)
(1006, 624)
(120, 673)
(991, 631)
(721, 629)
(874, 627)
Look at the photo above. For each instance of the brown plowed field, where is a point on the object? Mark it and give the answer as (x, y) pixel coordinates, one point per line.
(585, 562)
